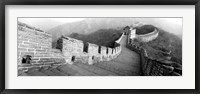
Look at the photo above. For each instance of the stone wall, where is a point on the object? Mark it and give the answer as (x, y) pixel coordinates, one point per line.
(103, 54)
(73, 48)
(148, 37)
(145, 37)
(117, 41)
(155, 67)
(37, 44)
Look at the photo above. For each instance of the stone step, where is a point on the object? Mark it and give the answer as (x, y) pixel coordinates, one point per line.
(76, 71)
(96, 70)
(108, 68)
(54, 70)
(49, 72)
(24, 74)
(113, 67)
(67, 70)
(36, 73)
(120, 65)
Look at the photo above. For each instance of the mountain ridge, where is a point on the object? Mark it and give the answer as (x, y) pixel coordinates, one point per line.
(90, 25)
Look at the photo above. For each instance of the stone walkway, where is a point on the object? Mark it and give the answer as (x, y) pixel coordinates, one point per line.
(126, 64)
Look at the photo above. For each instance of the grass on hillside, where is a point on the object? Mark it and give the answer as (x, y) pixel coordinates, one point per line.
(103, 37)
(164, 43)
(145, 29)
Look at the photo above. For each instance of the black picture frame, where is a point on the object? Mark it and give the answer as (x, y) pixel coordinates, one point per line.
(99, 2)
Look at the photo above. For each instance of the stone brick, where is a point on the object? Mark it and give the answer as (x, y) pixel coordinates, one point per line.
(47, 55)
(45, 48)
(19, 41)
(55, 64)
(28, 46)
(22, 68)
(58, 60)
(38, 55)
(46, 44)
(46, 66)
(34, 61)
(48, 62)
(30, 43)
(31, 49)
(41, 50)
(36, 58)
(21, 49)
(37, 64)
(27, 53)
(25, 65)
(34, 68)
(35, 41)
(41, 62)
(41, 53)
(43, 59)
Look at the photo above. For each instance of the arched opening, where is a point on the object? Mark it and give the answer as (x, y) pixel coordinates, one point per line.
(112, 51)
(107, 51)
(85, 47)
(92, 57)
(73, 58)
(99, 50)
(26, 59)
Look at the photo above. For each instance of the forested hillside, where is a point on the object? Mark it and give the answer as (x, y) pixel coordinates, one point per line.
(104, 37)
(90, 25)
(166, 44)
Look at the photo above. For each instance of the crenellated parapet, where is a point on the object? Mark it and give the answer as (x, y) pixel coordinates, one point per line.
(35, 50)
(143, 37)
(94, 53)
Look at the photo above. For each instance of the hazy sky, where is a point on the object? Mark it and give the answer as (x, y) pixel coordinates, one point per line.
(61, 20)
(177, 21)
(173, 25)
(47, 23)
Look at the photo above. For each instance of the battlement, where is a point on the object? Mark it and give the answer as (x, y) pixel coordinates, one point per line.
(78, 49)
(143, 37)
(36, 45)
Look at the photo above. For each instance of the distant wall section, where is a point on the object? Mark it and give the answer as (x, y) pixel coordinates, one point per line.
(145, 37)
(73, 48)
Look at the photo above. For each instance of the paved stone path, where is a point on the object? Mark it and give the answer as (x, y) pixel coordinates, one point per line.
(126, 64)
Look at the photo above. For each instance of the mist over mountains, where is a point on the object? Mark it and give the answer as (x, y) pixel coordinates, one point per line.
(90, 25)
(67, 26)
(41, 23)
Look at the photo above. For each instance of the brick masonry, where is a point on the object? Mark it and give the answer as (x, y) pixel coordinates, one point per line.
(38, 44)
(145, 37)
(95, 53)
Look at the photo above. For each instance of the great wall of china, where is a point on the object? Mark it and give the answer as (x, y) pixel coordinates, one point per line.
(144, 37)
(37, 44)
(152, 66)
